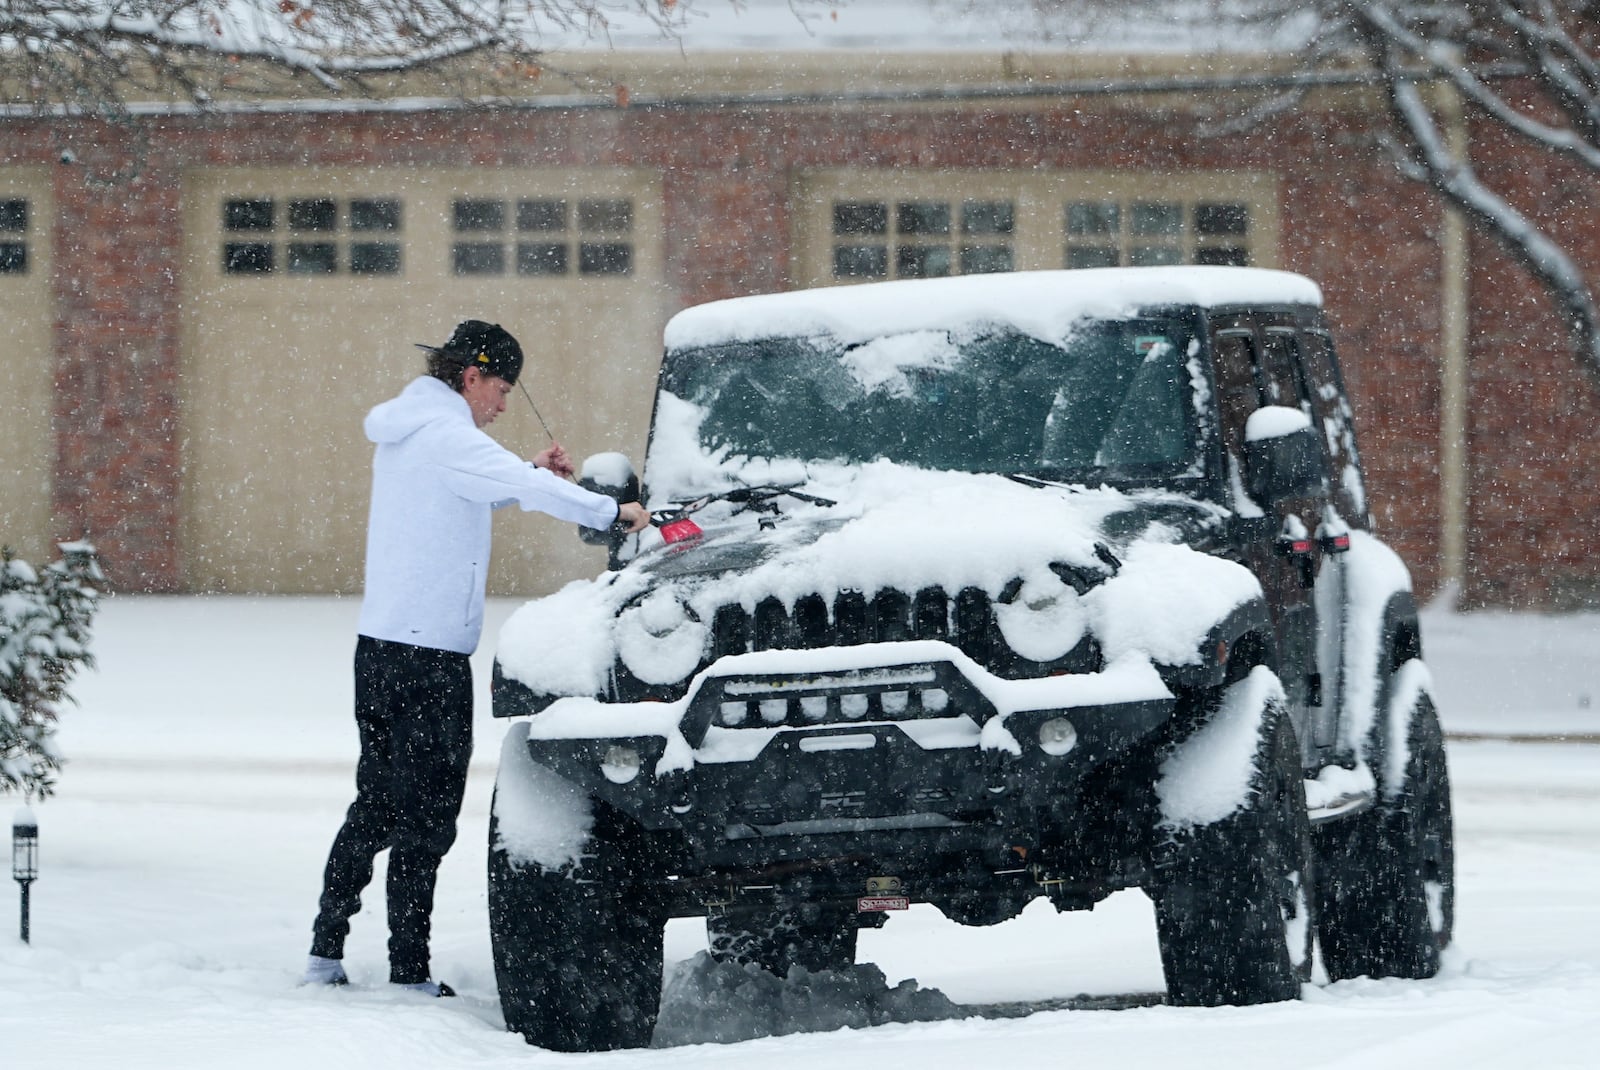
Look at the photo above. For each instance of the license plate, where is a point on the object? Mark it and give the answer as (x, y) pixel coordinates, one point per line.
(869, 903)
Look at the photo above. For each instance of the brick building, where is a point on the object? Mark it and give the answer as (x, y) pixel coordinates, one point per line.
(200, 307)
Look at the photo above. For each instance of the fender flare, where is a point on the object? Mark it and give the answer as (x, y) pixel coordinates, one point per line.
(1400, 641)
(1246, 632)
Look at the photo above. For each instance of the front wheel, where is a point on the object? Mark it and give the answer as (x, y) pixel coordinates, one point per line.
(1235, 908)
(1388, 900)
(577, 949)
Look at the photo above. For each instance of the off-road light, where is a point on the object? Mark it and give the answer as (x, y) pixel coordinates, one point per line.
(621, 764)
(734, 712)
(895, 702)
(1057, 736)
(935, 699)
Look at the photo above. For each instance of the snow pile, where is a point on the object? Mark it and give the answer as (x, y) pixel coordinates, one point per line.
(608, 470)
(1412, 682)
(1274, 421)
(705, 1001)
(1374, 574)
(1164, 601)
(893, 527)
(1335, 785)
(1042, 304)
(1208, 777)
(539, 816)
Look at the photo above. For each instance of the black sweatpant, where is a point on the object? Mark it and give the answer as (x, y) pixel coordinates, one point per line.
(414, 713)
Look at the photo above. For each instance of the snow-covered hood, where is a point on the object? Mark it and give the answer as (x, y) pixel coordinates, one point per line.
(424, 400)
(1026, 546)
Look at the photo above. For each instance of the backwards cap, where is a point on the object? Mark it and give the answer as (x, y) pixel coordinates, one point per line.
(488, 347)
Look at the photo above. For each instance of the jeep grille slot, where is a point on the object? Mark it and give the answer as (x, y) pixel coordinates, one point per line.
(730, 631)
(930, 614)
(811, 622)
(974, 625)
(890, 610)
(773, 628)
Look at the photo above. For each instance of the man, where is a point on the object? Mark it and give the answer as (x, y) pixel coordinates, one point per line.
(436, 477)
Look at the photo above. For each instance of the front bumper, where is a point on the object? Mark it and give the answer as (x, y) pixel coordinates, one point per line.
(863, 742)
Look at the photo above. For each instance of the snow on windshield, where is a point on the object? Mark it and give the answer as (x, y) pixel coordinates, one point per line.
(881, 363)
(1113, 401)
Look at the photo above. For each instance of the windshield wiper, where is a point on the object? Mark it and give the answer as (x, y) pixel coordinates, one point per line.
(760, 499)
(676, 526)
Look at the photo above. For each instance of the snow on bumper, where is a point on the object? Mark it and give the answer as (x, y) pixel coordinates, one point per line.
(920, 707)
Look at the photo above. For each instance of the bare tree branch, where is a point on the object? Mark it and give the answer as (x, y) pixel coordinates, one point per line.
(1395, 36)
(92, 54)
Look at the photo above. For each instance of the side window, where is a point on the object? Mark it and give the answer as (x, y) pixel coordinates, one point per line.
(1238, 394)
(1331, 410)
(1252, 372)
(1280, 373)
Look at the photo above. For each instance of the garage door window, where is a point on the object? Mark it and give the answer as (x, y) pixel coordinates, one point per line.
(1142, 233)
(311, 236)
(543, 236)
(13, 236)
(916, 239)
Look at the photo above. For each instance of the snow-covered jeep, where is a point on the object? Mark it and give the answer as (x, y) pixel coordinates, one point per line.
(969, 591)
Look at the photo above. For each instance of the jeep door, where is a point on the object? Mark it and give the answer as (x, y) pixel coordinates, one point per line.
(1257, 365)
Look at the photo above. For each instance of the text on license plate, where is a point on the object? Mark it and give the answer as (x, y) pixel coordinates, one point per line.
(866, 904)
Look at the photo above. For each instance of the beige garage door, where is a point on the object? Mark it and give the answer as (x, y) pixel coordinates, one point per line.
(27, 460)
(304, 291)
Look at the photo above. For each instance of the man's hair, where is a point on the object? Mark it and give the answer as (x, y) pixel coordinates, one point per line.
(449, 368)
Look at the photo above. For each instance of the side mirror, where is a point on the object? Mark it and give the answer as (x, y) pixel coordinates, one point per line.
(1282, 457)
(610, 474)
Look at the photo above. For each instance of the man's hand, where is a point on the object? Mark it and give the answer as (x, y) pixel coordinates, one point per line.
(636, 516)
(555, 459)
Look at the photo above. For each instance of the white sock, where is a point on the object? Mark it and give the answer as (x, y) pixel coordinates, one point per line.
(321, 971)
(429, 988)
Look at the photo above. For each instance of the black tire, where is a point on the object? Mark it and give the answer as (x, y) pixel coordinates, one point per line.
(577, 951)
(1388, 893)
(1235, 912)
(776, 938)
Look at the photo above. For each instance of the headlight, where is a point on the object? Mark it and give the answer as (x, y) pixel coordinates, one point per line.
(1044, 620)
(621, 764)
(660, 639)
(1057, 736)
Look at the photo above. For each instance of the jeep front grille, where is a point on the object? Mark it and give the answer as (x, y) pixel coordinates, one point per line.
(853, 619)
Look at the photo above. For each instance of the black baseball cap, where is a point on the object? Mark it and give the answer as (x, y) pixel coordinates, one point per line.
(488, 347)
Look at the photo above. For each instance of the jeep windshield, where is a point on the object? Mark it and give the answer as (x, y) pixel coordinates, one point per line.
(1112, 402)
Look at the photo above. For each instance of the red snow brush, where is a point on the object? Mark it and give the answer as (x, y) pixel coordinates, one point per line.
(680, 530)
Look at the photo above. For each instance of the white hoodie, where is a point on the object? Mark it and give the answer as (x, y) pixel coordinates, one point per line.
(436, 478)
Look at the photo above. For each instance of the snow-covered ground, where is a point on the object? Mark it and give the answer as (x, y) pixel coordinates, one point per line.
(212, 758)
